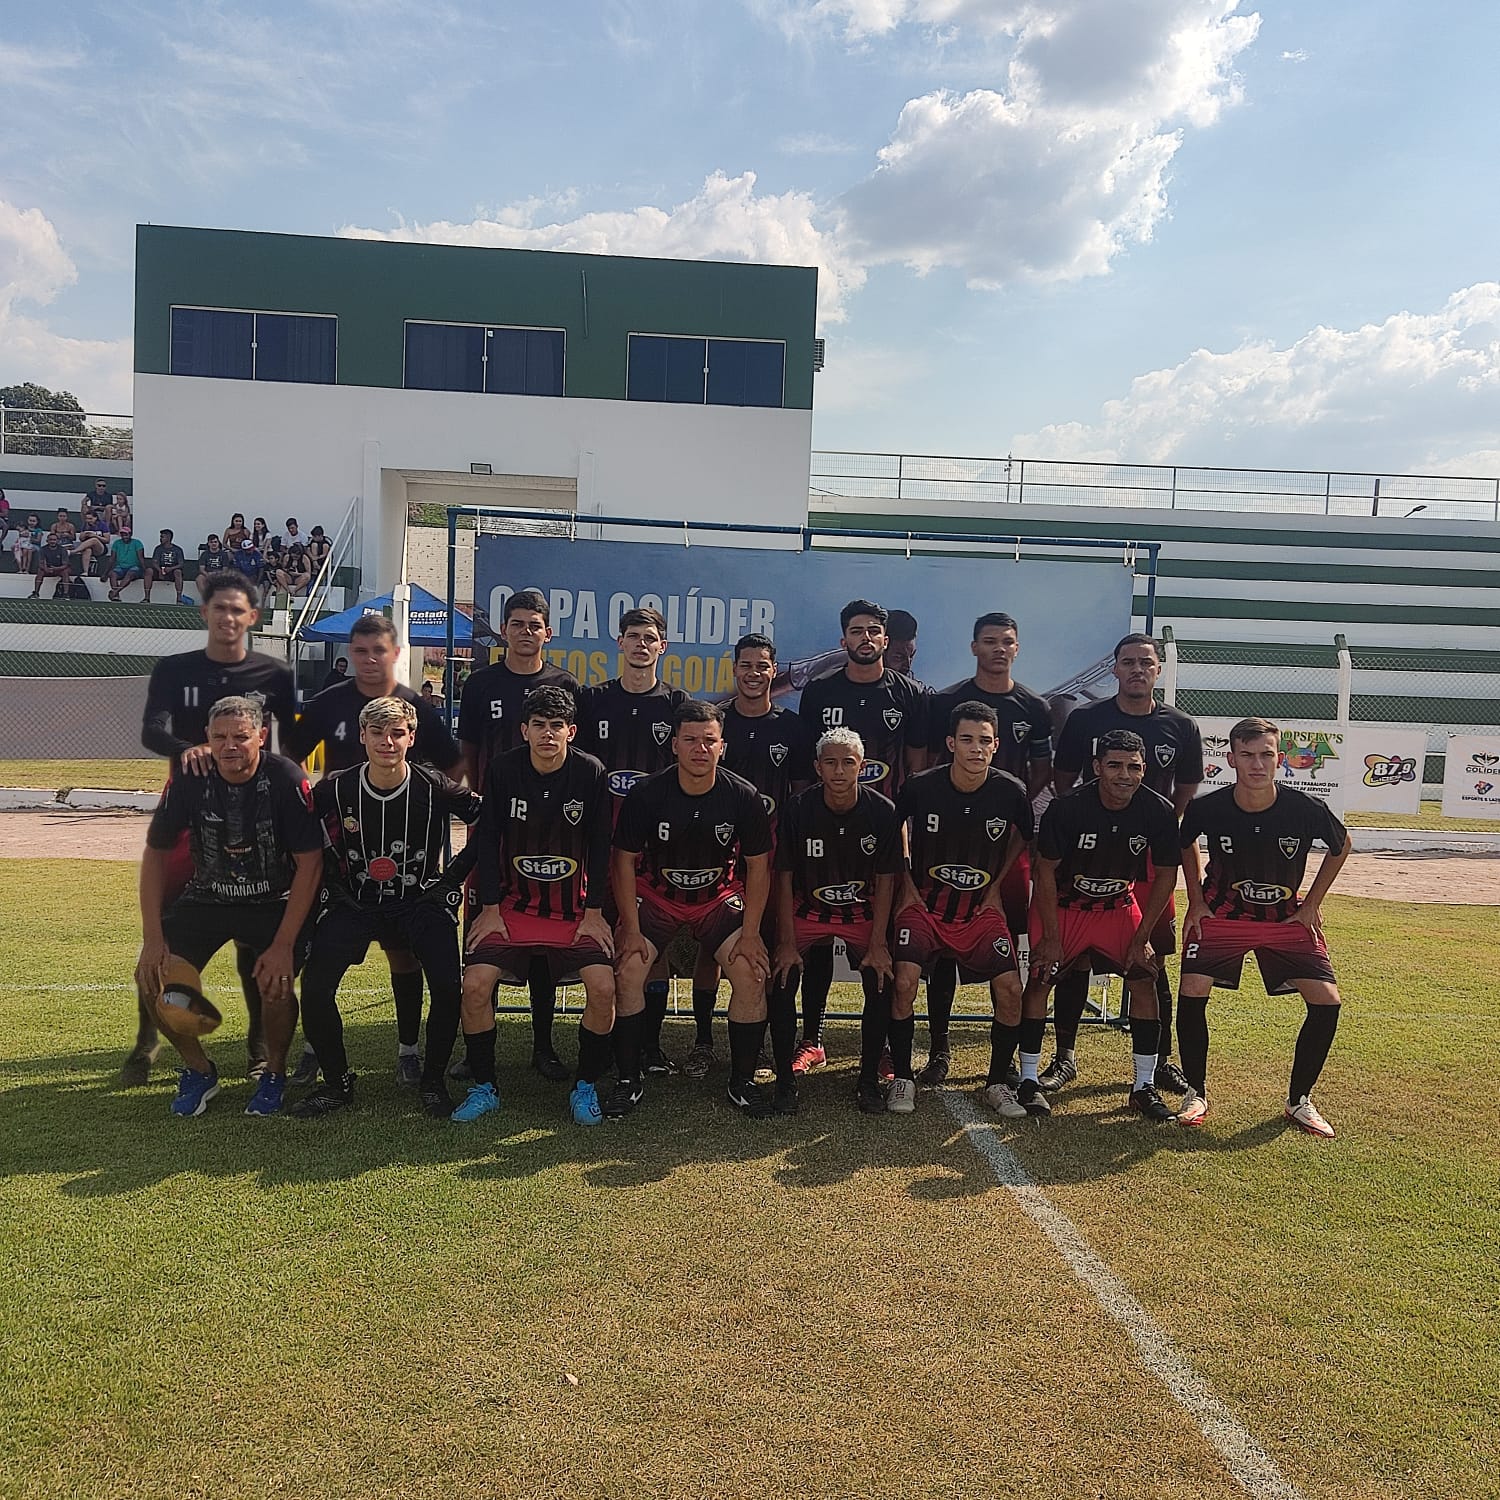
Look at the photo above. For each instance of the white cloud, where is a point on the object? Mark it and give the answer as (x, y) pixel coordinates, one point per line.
(1299, 55)
(34, 268)
(1416, 392)
(1053, 176)
(726, 220)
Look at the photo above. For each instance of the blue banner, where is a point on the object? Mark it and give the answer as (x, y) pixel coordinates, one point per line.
(1070, 614)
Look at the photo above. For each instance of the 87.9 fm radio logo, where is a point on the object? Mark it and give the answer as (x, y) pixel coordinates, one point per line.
(1389, 770)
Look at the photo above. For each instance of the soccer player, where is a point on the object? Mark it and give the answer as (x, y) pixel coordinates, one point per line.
(255, 867)
(888, 711)
(702, 839)
(489, 724)
(1025, 750)
(1258, 835)
(385, 825)
(626, 723)
(1092, 852)
(966, 823)
(838, 856)
(770, 747)
(901, 643)
(543, 867)
(1174, 769)
(332, 720)
(181, 691)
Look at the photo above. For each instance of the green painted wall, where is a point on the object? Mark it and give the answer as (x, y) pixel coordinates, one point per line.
(373, 287)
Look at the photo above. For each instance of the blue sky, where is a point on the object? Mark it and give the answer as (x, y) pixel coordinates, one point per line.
(1154, 230)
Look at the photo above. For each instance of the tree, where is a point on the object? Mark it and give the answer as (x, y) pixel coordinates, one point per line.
(44, 422)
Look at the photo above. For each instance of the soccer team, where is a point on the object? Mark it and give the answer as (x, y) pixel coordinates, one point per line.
(605, 821)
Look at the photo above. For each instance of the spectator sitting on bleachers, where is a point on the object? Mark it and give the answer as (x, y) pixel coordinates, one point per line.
(248, 560)
(53, 560)
(214, 557)
(25, 541)
(292, 535)
(260, 533)
(236, 531)
(294, 571)
(121, 513)
(166, 562)
(318, 548)
(340, 673)
(98, 497)
(67, 532)
(94, 537)
(127, 562)
(5, 516)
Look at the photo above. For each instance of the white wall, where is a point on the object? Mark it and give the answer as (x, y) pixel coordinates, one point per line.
(204, 448)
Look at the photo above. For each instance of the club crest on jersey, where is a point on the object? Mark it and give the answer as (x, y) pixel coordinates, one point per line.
(734, 903)
(778, 753)
(770, 802)
(995, 827)
(621, 782)
(1137, 844)
(724, 832)
(960, 877)
(545, 866)
(661, 733)
(873, 771)
(851, 893)
(694, 880)
(893, 718)
(1019, 729)
(1002, 947)
(1165, 755)
(1289, 847)
(351, 824)
(573, 811)
(868, 843)
(1258, 893)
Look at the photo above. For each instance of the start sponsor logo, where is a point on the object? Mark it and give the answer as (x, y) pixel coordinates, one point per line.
(1099, 885)
(545, 866)
(621, 782)
(960, 877)
(873, 771)
(851, 893)
(1261, 893)
(694, 880)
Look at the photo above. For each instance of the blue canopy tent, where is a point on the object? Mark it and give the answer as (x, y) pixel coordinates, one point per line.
(428, 621)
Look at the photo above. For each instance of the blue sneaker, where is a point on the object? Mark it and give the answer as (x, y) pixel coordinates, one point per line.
(266, 1100)
(194, 1090)
(584, 1101)
(482, 1099)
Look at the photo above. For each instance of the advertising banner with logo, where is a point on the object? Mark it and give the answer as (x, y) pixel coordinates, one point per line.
(711, 596)
(1356, 768)
(1471, 776)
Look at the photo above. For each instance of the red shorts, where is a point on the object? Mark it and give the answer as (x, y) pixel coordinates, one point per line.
(1101, 937)
(1285, 952)
(1015, 892)
(179, 869)
(982, 947)
(855, 936)
(709, 922)
(1164, 934)
(531, 937)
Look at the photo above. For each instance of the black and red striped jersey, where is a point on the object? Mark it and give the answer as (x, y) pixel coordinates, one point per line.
(834, 857)
(958, 839)
(381, 847)
(889, 716)
(332, 720)
(1256, 860)
(629, 733)
(1102, 852)
(489, 712)
(773, 752)
(543, 841)
(1174, 746)
(690, 846)
(1025, 725)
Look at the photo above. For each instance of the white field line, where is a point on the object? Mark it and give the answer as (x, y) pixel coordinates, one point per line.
(1247, 1461)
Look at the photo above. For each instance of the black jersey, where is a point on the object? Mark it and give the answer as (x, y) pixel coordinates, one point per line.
(629, 733)
(489, 713)
(889, 716)
(1256, 860)
(689, 844)
(1025, 725)
(184, 687)
(772, 752)
(958, 839)
(544, 838)
(332, 720)
(381, 847)
(834, 857)
(1174, 747)
(243, 834)
(1102, 852)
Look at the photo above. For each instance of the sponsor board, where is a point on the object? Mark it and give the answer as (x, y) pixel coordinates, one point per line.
(1471, 776)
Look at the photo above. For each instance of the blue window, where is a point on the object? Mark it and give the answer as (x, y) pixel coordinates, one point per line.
(719, 372)
(225, 345)
(471, 357)
(206, 341)
(524, 361)
(444, 357)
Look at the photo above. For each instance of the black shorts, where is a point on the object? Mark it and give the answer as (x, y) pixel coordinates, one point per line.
(345, 929)
(196, 930)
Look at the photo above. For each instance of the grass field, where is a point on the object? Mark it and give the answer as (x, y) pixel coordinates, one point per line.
(824, 1306)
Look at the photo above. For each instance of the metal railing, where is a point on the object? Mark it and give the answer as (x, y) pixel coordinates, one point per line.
(49, 432)
(894, 479)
